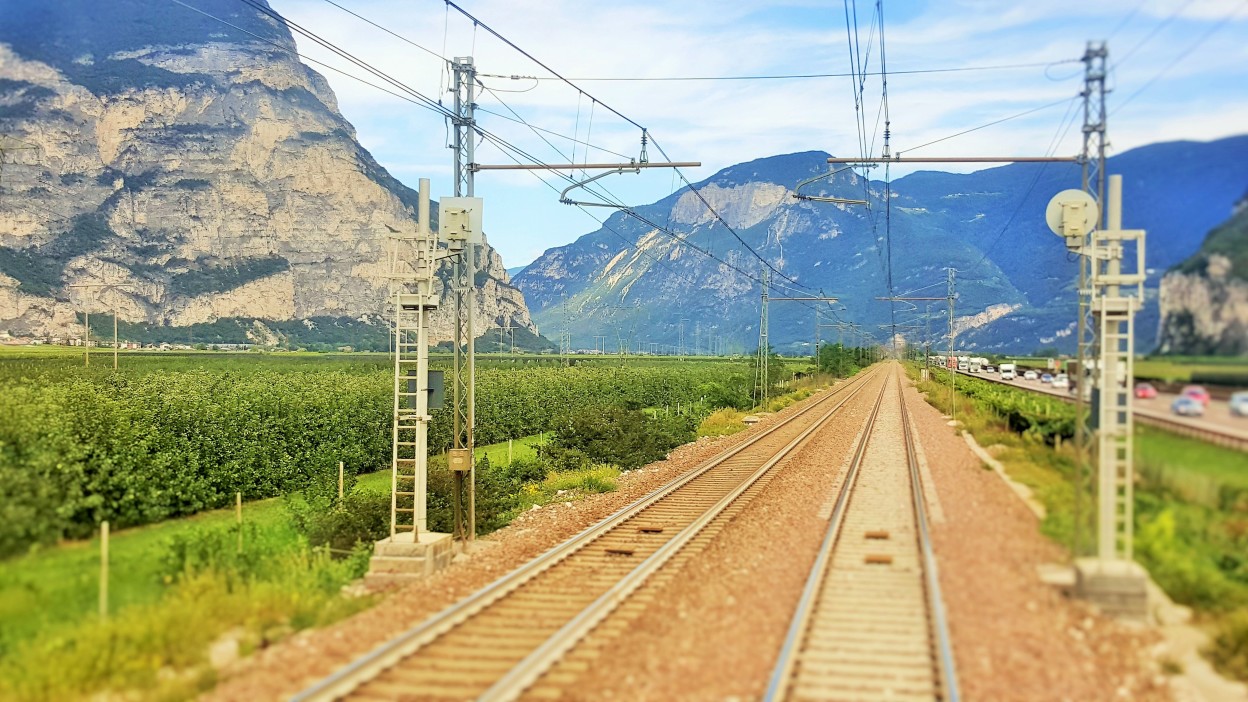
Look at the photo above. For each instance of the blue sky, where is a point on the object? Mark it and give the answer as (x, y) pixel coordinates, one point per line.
(1179, 70)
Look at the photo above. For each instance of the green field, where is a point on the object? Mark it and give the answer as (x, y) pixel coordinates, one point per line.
(160, 447)
(1182, 370)
(55, 586)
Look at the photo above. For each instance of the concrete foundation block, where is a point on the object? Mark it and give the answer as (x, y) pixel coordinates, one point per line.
(406, 558)
(1119, 588)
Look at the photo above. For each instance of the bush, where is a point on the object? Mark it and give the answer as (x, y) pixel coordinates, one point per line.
(625, 438)
(527, 470)
(204, 549)
(1229, 648)
(361, 519)
(722, 423)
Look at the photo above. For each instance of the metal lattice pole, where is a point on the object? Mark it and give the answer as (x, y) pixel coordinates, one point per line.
(463, 287)
(1093, 182)
(763, 347)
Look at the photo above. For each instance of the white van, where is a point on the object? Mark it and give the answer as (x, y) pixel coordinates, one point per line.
(1007, 371)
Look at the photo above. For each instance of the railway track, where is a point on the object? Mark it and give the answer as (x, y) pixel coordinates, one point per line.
(870, 624)
(505, 639)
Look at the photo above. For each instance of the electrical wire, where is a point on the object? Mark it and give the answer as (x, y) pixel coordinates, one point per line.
(437, 108)
(1066, 101)
(1226, 19)
(786, 76)
(478, 23)
(400, 37)
(1148, 37)
(297, 28)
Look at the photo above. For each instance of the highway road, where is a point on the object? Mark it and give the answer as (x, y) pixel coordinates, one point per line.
(1217, 415)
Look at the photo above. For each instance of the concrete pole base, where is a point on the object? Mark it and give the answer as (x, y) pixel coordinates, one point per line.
(405, 559)
(1119, 588)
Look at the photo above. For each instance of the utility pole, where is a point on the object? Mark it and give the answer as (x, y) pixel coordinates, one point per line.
(565, 338)
(682, 337)
(461, 458)
(760, 366)
(953, 371)
(1113, 580)
(86, 318)
(1092, 159)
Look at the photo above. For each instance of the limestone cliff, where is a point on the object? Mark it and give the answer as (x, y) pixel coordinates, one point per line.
(1204, 300)
(198, 165)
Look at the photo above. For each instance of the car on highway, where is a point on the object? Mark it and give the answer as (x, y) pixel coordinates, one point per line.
(1239, 403)
(1030, 375)
(1061, 380)
(1007, 371)
(1186, 406)
(1145, 391)
(990, 369)
(1198, 393)
(1046, 378)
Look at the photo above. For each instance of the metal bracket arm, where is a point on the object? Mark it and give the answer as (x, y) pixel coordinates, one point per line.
(563, 196)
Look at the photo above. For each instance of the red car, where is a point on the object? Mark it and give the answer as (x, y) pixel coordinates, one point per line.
(1144, 391)
(1197, 393)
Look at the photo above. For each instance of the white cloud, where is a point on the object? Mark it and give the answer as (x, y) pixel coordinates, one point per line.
(722, 123)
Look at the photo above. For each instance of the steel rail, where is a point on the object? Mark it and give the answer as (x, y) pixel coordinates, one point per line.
(948, 674)
(782, 675)
(785, 672)
(527, 671)
(386, 655)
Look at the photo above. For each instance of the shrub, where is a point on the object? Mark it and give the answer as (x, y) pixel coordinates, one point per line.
(626, 438)
(1229, 648)
(722, 423)
(361, 519)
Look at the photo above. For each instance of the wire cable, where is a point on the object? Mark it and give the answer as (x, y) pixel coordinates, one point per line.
(478, 23)
(1226, 19)
(789, 76)
(396, 35)
(1066, 101)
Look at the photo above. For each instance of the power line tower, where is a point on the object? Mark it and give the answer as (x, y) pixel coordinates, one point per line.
(1092, 159)
(565, 337)
(86, 317)
(463, 239)
(764, 347)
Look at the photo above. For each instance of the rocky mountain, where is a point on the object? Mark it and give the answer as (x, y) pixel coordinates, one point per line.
(634, 284)
(1204, 300)
(198, 167)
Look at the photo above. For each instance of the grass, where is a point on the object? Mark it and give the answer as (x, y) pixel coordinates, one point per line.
(53, 588)
(159, 650)
(58, 587)
(1181, 370)
(722, 423)
(1196, 471)
(523, 449)
(566, 486)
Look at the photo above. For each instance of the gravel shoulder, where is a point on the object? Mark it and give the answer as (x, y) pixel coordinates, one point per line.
(1014, 637)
